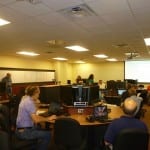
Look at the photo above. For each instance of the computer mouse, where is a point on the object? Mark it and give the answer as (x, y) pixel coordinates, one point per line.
(90, 118)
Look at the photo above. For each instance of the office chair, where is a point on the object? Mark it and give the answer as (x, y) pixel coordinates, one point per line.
(67, 134)
(4, 140)
(14, 142)
(131, 139)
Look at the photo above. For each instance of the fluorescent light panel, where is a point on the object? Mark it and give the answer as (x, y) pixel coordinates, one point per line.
(3, 22)
(76, 48)
(111, 59)
(27, 53)
(101, 56)
(60, 58)
(147, 41)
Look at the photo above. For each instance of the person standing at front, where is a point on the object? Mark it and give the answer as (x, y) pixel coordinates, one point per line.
(8, 84)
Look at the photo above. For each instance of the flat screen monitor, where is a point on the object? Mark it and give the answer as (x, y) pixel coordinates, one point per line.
(77, 93)
(121, 91)
(114, 100)
(49, 94)
(66, 95)
(93, 94)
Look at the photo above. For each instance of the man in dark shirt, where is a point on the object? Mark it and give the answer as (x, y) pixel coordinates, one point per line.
(8, 84)
(131, 90)
(126, 121)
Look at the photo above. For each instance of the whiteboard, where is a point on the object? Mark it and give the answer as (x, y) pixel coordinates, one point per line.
(24, 75)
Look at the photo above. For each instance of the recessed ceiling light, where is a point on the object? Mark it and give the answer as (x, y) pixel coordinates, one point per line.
(77, 48)
(147, 41)
(101, 56)
(80, 62)
(111, 59)
(28, 53)
(60, 58)
(3, 22)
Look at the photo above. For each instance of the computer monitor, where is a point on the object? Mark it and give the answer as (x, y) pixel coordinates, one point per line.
(93, 94)
(49, 94)
(66, 94)
(77, 93)
(121, 91)
(114, 100)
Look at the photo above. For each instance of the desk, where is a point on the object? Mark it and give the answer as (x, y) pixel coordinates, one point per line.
(4, 101)
(116, 112)
(93, 131)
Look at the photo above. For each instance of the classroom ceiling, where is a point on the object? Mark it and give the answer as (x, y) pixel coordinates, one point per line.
(111, 27)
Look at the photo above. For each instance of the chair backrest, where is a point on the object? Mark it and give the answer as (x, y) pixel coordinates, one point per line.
(132, 139)
(4, 118)
(67, 133)
(4, 141)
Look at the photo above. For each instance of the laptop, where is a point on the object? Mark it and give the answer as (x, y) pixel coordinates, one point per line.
(55, 108)
(100, 113)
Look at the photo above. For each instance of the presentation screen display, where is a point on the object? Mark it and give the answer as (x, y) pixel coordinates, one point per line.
(138, 70)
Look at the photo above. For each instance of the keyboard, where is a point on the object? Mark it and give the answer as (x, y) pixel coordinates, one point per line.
(103, 119)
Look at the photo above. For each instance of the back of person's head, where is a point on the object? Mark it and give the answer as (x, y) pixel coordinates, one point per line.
(31, 90)
(130, 85)
(79, 77)
(129, 106)
(132, 89)
(8, 75)
(91, 76)
(148, 88)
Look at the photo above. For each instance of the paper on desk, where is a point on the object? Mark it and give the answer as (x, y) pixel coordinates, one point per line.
(40, 112)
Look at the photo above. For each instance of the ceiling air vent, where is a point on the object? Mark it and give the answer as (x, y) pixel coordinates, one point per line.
(79, 11)
(56, 43)
(132, 55)
(31, 1)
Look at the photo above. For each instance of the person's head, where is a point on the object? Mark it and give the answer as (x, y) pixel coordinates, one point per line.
(148, 89)
(129, 106)
(100, 81)
(91, 76)
(32, 91)
(8, 75)
(132, 89)
(79, 77)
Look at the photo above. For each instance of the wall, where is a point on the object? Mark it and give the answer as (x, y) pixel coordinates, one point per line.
(24, 62)
(65, 71)
(104, 70)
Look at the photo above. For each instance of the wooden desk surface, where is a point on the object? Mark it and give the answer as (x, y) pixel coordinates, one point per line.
(116, 112)
(4, 101)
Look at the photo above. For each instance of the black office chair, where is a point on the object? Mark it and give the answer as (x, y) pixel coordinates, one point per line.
(67, 134)
(4, 140)
(132, 139)
(14, 142)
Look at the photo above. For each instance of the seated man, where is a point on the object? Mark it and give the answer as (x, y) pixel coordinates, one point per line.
(27, 120)
(126, 121)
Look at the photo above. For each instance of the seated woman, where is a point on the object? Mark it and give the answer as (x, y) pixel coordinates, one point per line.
(79, 80)
(90, 79)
